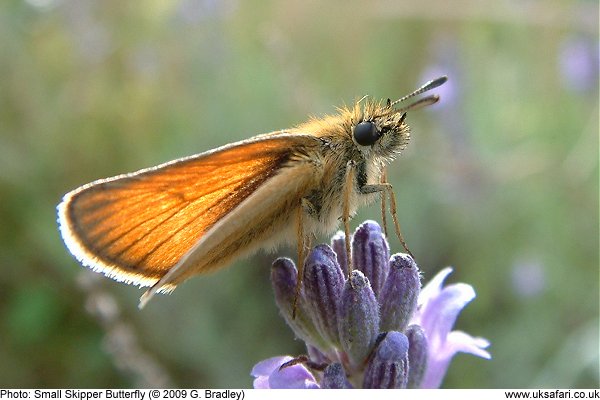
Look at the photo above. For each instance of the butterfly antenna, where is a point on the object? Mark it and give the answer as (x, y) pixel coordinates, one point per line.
(425, 88)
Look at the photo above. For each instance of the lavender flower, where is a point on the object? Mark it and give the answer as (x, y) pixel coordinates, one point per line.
(436, 313)
(372, 328)
(269, 375)
(578, 64)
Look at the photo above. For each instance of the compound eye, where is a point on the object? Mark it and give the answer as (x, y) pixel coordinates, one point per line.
(366, 133)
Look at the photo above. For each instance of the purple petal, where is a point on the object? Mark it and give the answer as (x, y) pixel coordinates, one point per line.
(261, 382)
(265, 367)
(439, 315)
(294, 377)
(438, 309)
(438, 361)
(269, 376)
(433, 287)
(463, 342)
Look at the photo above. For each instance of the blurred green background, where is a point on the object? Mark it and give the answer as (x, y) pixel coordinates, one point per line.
(500, 179)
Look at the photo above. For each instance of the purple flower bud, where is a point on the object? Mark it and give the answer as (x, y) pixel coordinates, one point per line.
(417, 355)
(323, 285)
(360, 335)
(371, 254)
(359, 318)
(338, 244)
(400, 293)
(388, 368)
(284, 278)
(334, 377)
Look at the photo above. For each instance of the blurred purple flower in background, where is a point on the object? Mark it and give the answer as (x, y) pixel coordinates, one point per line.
(373, 329)
(578, 62)
(528, 277)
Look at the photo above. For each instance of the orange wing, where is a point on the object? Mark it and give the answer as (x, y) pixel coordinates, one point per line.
(136, 227)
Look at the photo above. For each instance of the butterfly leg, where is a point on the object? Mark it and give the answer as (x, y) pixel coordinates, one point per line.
(348, 186)
(387, 187)
(383, 180)
(304, 243)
